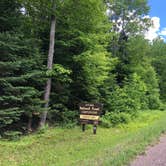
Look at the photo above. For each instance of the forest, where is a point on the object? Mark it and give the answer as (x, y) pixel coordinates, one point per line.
(59, 53)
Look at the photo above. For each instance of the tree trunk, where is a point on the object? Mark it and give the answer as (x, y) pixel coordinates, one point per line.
(29, 126)
(49, 67)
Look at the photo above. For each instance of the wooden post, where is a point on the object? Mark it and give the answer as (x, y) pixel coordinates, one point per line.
(83, 127)
(94, 129)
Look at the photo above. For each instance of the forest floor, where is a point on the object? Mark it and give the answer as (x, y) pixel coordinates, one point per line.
(154, 155)
(64, 147)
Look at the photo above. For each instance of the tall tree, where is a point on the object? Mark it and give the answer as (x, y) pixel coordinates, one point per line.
(140, 62)
(20, 69)
(49, 65)
(158, 54)
(129, 16)
(10, 15)
(81, 40)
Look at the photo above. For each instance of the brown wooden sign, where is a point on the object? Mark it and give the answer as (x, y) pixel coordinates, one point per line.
(90, 113)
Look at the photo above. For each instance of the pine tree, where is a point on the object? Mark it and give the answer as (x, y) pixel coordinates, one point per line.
(158, 54)
(20, 70)
(10, 15)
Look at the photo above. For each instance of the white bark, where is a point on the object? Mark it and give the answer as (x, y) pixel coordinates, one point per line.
(49, 66)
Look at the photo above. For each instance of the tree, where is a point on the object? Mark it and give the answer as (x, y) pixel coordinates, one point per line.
(85, 44)
(141, 63)
(158, 55)
(129, 98)
(20, 91)
(49, 66)
(10, 15)
(21, 71)
(129, 16)
(81, 39)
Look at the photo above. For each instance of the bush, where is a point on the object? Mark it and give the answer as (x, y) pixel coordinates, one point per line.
(119, 118)
(162, 107)
(113, 119)
(105, 122)
(129, 98)
(12, 135)
(62, 115)
(154, 102)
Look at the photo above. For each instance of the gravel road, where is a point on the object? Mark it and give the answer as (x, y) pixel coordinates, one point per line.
(154, 156)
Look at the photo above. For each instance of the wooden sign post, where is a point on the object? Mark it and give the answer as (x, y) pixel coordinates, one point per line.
(90, 114)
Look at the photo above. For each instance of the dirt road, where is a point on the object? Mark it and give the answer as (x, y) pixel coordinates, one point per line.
(154, 156)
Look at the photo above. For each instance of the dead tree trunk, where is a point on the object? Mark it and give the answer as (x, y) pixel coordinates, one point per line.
(49, 67)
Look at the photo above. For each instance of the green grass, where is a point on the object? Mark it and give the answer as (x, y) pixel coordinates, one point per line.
(65, 147)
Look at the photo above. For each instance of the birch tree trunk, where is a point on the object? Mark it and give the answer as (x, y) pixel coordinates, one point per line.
(49, 67)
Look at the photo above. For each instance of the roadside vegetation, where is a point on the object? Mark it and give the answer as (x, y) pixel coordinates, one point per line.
(64, 147)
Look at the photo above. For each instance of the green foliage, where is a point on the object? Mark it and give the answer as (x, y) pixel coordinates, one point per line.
(105, 122)
(149, 76)
(94, 71)
(136, 90)
(158, 54)
(141, 64)
(81, 41)
(162, 107)
(129, 98)
(86, 16)
(128, 15)
(98, 58)
(12, 135)
(59, 73)
(43, 129)
(62, 114)
(111, 119)
(10, 15)
(20, 72)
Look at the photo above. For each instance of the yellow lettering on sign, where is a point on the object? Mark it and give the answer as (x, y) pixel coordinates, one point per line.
(89, 112)
(89, 117)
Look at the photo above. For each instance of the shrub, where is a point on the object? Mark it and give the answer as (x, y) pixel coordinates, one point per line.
(154, 102)
(130, 98)
(62, 115)
(163, 107)
(105, 122)
(12, 135)
(113, 119)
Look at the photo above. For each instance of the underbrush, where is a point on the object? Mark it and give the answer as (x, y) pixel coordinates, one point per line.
(112, 119)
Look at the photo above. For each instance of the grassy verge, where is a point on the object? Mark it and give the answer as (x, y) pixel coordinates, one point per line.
(65, 147)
